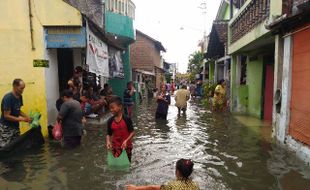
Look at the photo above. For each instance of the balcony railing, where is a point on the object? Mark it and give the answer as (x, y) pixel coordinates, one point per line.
(123, 7)
(252, 15)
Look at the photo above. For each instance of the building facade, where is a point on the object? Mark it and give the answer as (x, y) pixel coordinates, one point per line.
(23, 34)
(119, 17)
(251, 47)
(291, 126)
(146, 55)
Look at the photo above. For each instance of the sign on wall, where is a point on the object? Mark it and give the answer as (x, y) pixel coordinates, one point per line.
(65, 37)
(97, 55)
(40, 63)
(116, 64)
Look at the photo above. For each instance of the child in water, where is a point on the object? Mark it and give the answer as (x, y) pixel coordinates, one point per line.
(184, 169)
(120, 130)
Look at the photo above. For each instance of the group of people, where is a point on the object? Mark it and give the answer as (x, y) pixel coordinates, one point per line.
(120, 130)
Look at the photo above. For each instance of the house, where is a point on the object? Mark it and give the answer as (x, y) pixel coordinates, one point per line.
(291, 124)
(217, 64)
(251, 47)
(146, 56)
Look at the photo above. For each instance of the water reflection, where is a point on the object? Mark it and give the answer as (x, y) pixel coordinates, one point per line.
(229, 153)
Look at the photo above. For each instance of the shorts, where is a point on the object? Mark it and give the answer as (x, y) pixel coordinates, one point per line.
(8, 134)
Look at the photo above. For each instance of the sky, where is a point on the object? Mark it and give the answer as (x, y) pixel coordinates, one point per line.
(177, 24)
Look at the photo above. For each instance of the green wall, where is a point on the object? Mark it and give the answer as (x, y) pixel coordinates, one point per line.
(254, 80)
(227, 13)
(119, 85)
(211, 71)
(239, 93)
(122, 26)
(119, 24)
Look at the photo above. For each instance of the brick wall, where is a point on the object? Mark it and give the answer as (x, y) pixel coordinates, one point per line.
(143, 54)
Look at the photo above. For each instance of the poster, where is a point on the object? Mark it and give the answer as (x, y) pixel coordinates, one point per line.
(116, 64)
(97, 55)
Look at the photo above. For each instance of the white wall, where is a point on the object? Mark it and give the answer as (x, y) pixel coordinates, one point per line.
(77, 57)
(52, 85)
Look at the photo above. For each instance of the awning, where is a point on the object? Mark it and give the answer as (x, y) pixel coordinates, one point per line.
(144, 72)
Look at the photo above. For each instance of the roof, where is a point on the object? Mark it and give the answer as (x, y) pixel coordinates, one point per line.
(218, 39)
(158, 44)
(144, 72)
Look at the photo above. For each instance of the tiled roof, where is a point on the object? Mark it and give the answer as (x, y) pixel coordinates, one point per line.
(218, 39)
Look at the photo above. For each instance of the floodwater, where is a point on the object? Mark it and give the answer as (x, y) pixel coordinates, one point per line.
(230, 152)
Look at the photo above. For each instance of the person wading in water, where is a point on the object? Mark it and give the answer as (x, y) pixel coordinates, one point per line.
(11, 113)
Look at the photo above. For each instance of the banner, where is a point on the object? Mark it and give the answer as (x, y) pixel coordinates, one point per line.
(116, 64)
(97, 55)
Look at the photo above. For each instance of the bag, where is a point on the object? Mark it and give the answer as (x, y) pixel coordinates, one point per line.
(35, 116)
(57, 131)
(120, 162)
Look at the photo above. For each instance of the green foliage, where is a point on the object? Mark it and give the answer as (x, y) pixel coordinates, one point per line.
(195, 63)
(208, 89)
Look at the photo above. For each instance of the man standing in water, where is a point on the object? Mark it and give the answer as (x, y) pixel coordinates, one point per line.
(11, 113)
(181, 98)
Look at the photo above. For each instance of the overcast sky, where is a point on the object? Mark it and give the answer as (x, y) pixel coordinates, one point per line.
(178, 24)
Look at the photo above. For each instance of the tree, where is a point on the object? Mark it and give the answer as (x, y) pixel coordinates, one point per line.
(195, 63)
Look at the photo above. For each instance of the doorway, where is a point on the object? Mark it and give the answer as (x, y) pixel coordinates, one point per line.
(65, 67)
(268, 92)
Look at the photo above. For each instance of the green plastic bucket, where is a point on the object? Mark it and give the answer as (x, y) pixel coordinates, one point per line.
(121, 162)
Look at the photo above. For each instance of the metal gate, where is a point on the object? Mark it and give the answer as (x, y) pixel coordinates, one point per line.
(300, 100)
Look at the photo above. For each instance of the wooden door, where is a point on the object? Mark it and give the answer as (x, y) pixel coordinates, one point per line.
(268, 92)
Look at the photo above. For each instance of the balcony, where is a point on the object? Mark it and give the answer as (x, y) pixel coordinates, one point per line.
(123, 7)
(119, 18)
(251, 14)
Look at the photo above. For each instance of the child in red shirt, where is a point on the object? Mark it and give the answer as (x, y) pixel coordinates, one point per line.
(120, 130)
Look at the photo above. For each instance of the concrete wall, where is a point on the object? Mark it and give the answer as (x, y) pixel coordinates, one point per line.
(239, 93)
(254, 81)
(119, 24)
(52, 84)
(211, 71)
(119, 85)
(258, 32)
(247, 99)
(17, 54)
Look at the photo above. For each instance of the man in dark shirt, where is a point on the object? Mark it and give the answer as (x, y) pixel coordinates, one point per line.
(11, 113)
(71, 116)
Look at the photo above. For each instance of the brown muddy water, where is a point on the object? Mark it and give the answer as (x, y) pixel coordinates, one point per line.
(230, 152)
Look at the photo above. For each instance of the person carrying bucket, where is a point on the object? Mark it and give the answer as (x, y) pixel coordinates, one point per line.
(120, 130)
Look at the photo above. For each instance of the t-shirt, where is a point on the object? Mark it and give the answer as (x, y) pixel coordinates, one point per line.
(180, 185)
(72, 115)
(127, 98)
(13, 104)
(120, 131)
(162, 106)
(181, 98)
